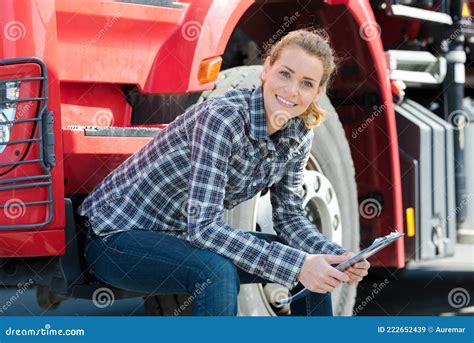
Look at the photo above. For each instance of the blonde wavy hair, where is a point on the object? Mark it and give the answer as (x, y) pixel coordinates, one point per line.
(316, 43)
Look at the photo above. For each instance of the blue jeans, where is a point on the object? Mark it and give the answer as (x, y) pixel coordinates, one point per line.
(155, 262)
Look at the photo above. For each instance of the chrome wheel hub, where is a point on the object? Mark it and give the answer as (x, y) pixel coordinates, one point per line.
(322, 209)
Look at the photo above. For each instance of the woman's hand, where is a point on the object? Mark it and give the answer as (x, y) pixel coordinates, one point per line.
(319, 276)
(356, 272)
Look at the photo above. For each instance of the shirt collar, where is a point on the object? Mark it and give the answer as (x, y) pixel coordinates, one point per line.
(294, 129)
(258, 121)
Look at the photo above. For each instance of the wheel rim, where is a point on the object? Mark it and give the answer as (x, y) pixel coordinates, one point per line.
(322, 209)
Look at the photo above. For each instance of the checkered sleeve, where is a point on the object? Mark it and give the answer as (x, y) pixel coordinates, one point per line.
(214, 135)
(289, 219)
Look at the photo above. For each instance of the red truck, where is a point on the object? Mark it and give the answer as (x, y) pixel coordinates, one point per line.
(85, 84)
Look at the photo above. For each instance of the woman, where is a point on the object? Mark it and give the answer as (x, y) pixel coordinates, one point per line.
(157, 219)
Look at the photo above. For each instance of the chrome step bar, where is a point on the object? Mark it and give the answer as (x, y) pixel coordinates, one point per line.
(419, 13)
(415, 68)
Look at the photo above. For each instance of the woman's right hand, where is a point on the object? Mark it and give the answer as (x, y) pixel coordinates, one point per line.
(319, 276)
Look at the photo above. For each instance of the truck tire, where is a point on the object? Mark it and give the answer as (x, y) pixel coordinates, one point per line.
(332, 202)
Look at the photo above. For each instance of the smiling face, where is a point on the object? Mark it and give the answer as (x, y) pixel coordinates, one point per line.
(290, 85)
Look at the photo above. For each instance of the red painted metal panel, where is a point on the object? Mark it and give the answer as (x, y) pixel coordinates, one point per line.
(30, 30)
(32, 243)
(392, 218)
(84, 154)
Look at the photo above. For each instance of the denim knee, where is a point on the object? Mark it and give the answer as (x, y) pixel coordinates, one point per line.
(220, 270)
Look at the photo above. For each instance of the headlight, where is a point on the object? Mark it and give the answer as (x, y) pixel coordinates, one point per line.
(8, 91)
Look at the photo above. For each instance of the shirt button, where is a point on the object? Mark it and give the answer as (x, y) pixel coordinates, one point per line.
(254, 183)
(268, 159)
(234, 202)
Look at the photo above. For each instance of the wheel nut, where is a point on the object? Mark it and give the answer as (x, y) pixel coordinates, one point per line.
(335, 223)
(317, 184)
(329, 195)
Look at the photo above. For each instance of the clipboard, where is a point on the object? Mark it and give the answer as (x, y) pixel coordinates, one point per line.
(377, 245)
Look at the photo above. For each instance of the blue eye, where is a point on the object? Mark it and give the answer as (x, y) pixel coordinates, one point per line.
(308, 84)
(285, 74)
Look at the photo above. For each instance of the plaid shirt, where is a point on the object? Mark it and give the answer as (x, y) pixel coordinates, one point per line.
(214, 156)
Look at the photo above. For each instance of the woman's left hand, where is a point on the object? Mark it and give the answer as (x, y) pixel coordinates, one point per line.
(357, 271)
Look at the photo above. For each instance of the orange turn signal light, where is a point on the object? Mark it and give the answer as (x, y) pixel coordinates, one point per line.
(410, 212)
(465, 10)
(209, 69)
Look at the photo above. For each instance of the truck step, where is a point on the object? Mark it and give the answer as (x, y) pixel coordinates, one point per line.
(114, 131)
